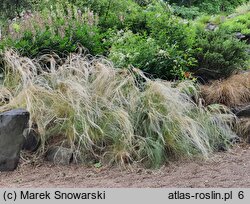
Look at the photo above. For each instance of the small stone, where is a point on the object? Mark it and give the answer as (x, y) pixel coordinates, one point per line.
(211, 27)
(222, 147)
(59, 155)
(139, 171)
(149, 172)
(31, 140)
(244, 112)
(235, 140)
(240, 36)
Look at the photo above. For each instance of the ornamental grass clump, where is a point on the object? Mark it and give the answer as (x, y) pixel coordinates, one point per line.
(108, 114)
(232, 92)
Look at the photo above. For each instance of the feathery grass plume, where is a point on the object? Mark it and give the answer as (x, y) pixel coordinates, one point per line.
(103, 113)
(190, 88)
(232, 92)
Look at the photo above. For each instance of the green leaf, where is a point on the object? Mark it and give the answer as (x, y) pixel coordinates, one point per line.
(98, 165)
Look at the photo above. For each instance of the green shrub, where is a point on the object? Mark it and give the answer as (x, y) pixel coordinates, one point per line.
(244, 8)
(166, 62)
(133, 49)
(186, 12)
(219, 54)
(162, 47)
(13, 8)
(129, 15)
(167, 29)
(138, 20)
(240, 23)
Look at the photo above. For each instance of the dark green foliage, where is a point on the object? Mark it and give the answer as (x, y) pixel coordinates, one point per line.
(162, 46)
(48, 32)
(121, 15)
(169, 30)
(143, 2)
(239, 23)
(160, 60)
(186, 12)
(45, 42)
(219, 54)
(11, 8)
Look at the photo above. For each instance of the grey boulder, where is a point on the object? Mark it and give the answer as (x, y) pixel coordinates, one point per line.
(12, 125)
(211, 27)
(240, 36)
(244, 112)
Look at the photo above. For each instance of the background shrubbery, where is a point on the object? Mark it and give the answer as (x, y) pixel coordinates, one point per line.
(240, 23)
(57, 29)
(145, 34)
(218, 54)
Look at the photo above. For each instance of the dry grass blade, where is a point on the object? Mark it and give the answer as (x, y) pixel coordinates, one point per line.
(231, 92)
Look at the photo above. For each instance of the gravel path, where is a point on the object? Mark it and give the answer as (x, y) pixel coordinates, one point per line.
(225, 169)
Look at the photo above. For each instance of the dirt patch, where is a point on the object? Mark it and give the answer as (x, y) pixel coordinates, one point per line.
(225, 169)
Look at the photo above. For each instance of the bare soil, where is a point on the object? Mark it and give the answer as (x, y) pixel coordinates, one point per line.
(224, 169)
